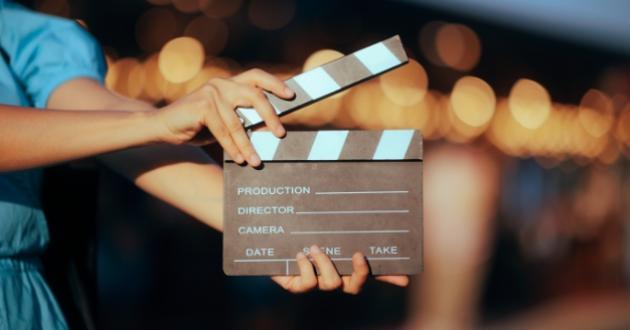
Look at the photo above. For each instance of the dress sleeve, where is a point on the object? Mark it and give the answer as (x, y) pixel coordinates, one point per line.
(46, 51)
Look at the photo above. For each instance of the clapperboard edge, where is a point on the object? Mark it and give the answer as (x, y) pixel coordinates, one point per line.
(338, 145)
(333, 77)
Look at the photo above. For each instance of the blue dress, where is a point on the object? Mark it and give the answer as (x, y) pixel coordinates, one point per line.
(39, 53)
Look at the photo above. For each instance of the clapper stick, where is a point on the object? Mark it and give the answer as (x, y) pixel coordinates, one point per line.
(333, 77)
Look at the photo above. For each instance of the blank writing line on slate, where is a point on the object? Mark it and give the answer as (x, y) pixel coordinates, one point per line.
(333, 259)
(351, 212)
(361, 192)
(385, 231)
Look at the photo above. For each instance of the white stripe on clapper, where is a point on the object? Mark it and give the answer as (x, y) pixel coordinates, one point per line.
(377, 58)
(265, 144)
(316, 83)
(327, 145)
(251, 115)
(393, 144)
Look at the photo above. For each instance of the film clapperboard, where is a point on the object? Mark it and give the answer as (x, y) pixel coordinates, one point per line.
(345, 191)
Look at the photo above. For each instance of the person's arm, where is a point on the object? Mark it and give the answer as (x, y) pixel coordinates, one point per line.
(31, 137)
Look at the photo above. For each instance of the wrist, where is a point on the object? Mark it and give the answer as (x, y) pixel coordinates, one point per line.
(155, 131)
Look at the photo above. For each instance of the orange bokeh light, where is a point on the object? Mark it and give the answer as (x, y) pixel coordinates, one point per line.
(220, 8)
(405, 86)
(457, 46)
(596, 113)
(473, 101)
(529, 103)
(126, 76)
(181, 59)
(186, 6)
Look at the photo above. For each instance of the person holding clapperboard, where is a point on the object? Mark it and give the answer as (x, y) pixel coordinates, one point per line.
(48, 62)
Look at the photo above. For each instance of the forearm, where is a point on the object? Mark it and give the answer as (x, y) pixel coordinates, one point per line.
(32, 138)
(183, 176)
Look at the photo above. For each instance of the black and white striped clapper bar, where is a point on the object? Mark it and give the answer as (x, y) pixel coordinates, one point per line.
(345, 191)
(333, 77)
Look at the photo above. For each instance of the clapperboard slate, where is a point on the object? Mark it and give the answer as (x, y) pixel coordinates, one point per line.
(345, 191)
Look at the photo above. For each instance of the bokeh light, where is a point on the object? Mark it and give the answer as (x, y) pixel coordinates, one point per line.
(457, 46)
(126, 76)
(187, 6)
(220, 8)
(529, 103)
(596, 113)
(473, 101)
(154, 28)
(405, 86)
(362, 104)
(270, 14)
(211, 32)
(320, 57)
(426, 40)
(622, 129)
(181, 59)
(152, 87)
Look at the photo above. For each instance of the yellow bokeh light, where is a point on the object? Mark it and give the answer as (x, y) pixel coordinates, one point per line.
(362, 103)
(461, 132)
(270, 14)
(596, 113)
(457, 46)
(473, 101)
(181, 59)
(321, 57)
(529, 103)
(505, 132)
(405, 86)
(152, 87)
(126, 76)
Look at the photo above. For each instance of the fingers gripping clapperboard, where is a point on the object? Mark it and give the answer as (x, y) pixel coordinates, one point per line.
(345, 191)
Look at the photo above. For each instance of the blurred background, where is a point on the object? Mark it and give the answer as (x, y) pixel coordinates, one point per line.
(525, 111)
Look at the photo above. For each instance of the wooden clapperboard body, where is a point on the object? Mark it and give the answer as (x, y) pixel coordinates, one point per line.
(345, 191)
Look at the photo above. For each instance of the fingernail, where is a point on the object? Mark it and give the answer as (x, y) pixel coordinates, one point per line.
(281, 131)
(254, 160)
(315, 249)
(300, 256)
(239, 158)
(288, 91)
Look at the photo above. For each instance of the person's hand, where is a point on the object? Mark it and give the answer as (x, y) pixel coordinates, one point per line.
(212, 106)
(328, 278)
